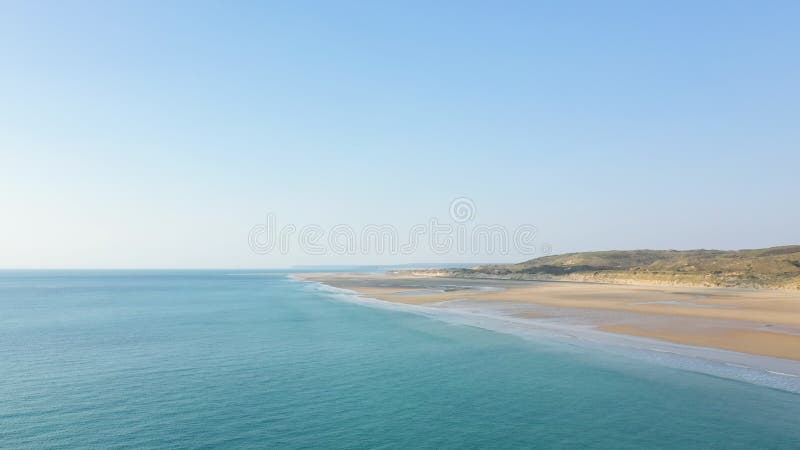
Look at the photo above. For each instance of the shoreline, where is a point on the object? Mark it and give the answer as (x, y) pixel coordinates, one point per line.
(499, 309)
(619, 281)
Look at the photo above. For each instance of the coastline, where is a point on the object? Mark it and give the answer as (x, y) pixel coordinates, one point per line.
(665, 333)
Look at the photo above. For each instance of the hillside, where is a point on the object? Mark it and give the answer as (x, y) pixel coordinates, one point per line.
(775, 268)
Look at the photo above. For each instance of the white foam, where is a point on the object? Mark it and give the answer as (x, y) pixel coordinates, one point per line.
(784, 374)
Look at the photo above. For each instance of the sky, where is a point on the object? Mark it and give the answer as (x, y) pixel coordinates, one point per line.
(147, 134)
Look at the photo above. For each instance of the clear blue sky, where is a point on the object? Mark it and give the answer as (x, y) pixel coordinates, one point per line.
(156, 134)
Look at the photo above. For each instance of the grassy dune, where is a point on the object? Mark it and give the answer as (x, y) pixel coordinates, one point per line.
(773, 268)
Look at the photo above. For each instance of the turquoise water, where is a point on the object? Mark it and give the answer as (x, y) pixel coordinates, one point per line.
(213, 359)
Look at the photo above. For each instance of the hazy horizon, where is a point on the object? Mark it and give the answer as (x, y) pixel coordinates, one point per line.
(335, 267)
(159, 135)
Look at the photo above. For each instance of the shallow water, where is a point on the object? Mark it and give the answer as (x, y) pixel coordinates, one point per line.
(252, 359)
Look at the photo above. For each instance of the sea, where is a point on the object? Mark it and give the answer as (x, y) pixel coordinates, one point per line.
(258, 359)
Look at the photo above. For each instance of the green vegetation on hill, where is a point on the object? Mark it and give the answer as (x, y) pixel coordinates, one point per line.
(776, 267)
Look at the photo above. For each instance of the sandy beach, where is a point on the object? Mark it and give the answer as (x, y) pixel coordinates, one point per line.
(749, 327)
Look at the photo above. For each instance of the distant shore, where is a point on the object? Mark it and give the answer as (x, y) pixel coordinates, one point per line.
(766, 268)
(758, 328)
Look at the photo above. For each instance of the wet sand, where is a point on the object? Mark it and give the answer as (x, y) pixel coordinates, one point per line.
(755, 322)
